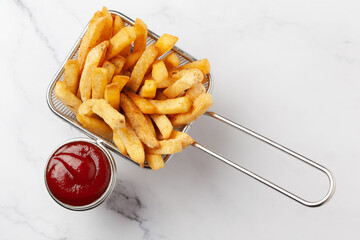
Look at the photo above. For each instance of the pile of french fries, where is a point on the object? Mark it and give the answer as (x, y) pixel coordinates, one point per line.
(134, 94)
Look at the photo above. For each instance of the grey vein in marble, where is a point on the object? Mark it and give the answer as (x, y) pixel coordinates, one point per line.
(21, 219)
(128, 205)
(41, 35)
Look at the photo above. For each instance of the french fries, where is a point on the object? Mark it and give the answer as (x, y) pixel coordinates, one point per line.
(140, 68)
(148, 119)
(86, 107)
(132, 144)
(118, 25)
(159, 72)
(110, 77)
(148, 90)
(120, 41)
(67, 97)
(163, 123)
(184, 83)
(93, 59)
(166, 83)
(143, 104)
(141, 35)
(71, 75)
(119, 143)
(184, 138)
(138, 122)
(202, 65)
(121, 80)
(201, 104)
(171, 61)
(98, 82)
(118, 62)
(90, 39)
(95, 125)
(111, 70)
(132, 59)
(112, 95)
(108, 28)
(171, 106)
(195, 91)
(155, 161)
(104, 110)
(166, 147)
(165, 43)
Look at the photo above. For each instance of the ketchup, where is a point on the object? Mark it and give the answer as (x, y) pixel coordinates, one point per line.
(78, 173)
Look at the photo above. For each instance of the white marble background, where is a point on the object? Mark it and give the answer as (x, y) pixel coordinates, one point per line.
(287, 69)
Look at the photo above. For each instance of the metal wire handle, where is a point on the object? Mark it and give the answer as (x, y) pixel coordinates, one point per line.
(327, 197)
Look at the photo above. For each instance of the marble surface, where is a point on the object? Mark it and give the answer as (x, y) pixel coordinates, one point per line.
(289, 70)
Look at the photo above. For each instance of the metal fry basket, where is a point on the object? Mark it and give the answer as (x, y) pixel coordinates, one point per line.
(61, 111)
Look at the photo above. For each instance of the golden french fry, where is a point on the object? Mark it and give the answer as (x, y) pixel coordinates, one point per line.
(202, 65)
(138, 122)
(98, 82)
(195, 91)
(140, 68)
(67, 97)
(201, 104)
(141, 35)
(163, 124)
(97, 16)
(71, 75)
(95, 125)
(148, 119)
(119, 62)
(90, 39)
(108, 28)
(171, 60)
(110, 115)
(86, 107)
(184, 83)
(112, 95)
(185, 139)
(155, 161)
(159, 72)
(118, 25)
(111, 69)
(132, 143)
(143, 104)
(171, 106)
(132, 59)
(165, 43)
(119, 144)
(148, 90)
(93, 59)
(126, 51)
(120, 41)
(121, 80)
(166, 147)
(166, 83)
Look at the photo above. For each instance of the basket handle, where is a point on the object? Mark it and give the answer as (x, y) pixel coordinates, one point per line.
(280, 147)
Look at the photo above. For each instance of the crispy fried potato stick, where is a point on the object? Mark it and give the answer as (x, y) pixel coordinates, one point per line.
(95, 125)
(93, 59)
(138, 122)
(201, 104)
(166, 147)
(132, 143)
(71, 75)
(67, 97)
(141, 67)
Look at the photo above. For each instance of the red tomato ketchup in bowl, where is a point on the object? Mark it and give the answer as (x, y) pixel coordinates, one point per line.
(80, 174)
